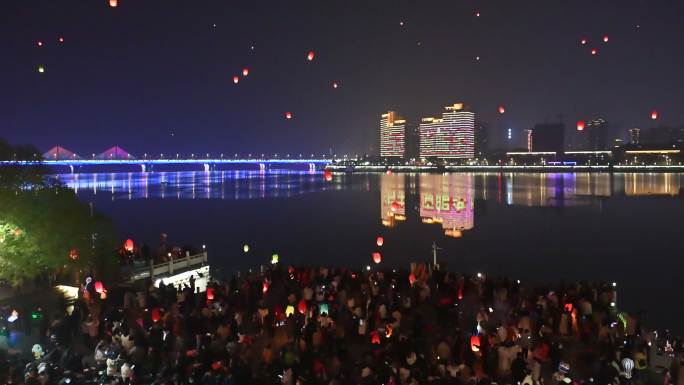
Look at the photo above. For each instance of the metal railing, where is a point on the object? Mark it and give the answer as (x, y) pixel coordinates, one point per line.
(169, 268)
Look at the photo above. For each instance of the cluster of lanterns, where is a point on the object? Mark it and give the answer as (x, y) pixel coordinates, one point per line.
(594, 51)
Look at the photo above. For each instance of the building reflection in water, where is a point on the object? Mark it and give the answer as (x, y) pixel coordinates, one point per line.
(639, 184)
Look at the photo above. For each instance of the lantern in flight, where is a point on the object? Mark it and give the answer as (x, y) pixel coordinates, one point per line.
(310, 56)
(380, 241)
(73, 254)
(377, 257)
(245, 248)
(99, 287)
(605, 39)
(502, 109)
(61, 39)
(301, 306)
(155, 315)
(265, 286)
(236, 79)
(210, 294)
(580, 125)
(327, 174)
(40, 43)
(129, 245)
(654, 115)
(375, 337)
(412, 279)
(289, 310)
(594, 51)
(41, 69)
(245, 71)
(583, 41)
(475, 343)
(288, 115)
(274, 259)
(113, 3)
(324, 309)
(335, 85)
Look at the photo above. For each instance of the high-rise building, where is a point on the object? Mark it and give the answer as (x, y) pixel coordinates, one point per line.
(597, 134)
(548, 137)
(634, 135)
(451, 136)
(412, 135)
(392, 135)
(528, 137)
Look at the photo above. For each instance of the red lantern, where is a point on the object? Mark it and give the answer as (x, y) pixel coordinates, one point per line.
(73, 254)
(288, 115)
(605, 39)
(334, 85)
(412, 279)
(502, 109)
(129, 245)
(210, 294)
(459, 294)
(375, 337)
(327, 174)
(310, 56)
(594, 51)
(155, 315)
(654, 115)
(265, 286)
(99, 287)
(388, 330)
(113, 3)
(245, 71)
(40, 43)
(301, 306)
(475, 343)
(377, 258)
(61, 39)
(568, 307)
(380, 241)
(236, 79)
(580, 125)
(583, 41)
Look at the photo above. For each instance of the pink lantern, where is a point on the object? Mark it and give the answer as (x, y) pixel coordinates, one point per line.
(377, 258)
(310, 56)
(99, 287)
(380, 241)
(129, 245)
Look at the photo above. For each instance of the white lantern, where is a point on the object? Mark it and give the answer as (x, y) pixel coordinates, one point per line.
(628, 365)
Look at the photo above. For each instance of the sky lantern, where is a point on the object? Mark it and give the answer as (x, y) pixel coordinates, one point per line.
(412, 279)
(568, 307)
(40, 43)
(335, 85)
(502, 109)
(210, 294)
(289, 310)
(477, 14)
(375, 337)
(129, 245)
(324, 309)
(580, 125)
(475, 343)
(155, 315)
(583, 41)
(99, 287)
(73, 254)
(275, 258)
(61, 39)
(288, 115)
(265, 286)
(245, 248)
(301, 306)
(113, 3)
(327, 174)
(654, 114)
(377, 257)
(41, 69)
(236, 79)
(245, 71)
(380, 241)
(388, 330)
(401, 23)
(594, 51)
(605, 39)
(310, 56)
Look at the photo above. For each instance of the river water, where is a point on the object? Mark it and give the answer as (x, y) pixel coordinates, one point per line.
(542, 227)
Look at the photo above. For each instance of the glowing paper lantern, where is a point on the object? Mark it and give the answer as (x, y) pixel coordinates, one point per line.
(310, 56)
(289, 310)
(324, 309)
(605, 39)
(568, 307)
(41, 69)
(236, 79)
(113, 3)
(477, 14)
(301, 306)
(388, 330)
(264, 287)
(73, 254)
(155, 315)
(40, 43)
(401, 23)
(288, 115)
(61, 39)
(594, 51)
(327, 174)
(502, 109)
(583, 41)
(377, 258)
(475, 343)
(580, 125)
(335, 85)
(388, 172)
(245, 248)
(99, 287)
(412, 279)
(380, 241)
(654, 114)
(129, 245)
(210, 294)
(375, 337)
(245, 71)
(274, 259)
(13, 317)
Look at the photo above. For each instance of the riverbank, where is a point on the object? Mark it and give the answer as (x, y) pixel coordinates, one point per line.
(508, 168)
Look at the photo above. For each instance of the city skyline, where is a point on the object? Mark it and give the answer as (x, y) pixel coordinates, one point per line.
(159, 78)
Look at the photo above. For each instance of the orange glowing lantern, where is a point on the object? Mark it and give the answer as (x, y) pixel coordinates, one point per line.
(580, 125)
(475, 343)
(155, 315)
(288, 115)
(568, 307)
(61, 39)
(377, 258)
(99, 287)
(73, 254)
(264, 287)
(301, 306)
(388, 330)
(129, 245)
(310, 56)
(654, 115)
(236, 79)
(327, 174)
(335, 85)
(210, 294)
(375, 337)
(502, 109)
(380, 241)
(245, 71)
(113, 3)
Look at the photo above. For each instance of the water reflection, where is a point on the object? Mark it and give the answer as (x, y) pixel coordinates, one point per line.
(449, 199)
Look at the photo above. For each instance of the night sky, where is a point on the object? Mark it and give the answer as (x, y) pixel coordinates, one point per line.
(136, 74)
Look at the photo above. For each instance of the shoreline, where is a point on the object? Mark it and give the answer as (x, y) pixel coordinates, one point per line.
(509, 168)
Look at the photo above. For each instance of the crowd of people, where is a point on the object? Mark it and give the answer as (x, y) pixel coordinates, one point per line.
(287, 325)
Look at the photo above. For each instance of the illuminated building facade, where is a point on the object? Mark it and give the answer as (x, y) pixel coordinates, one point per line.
(451, 136)
(392, 135)
(597, 133)
(634, 134)
(528, 135)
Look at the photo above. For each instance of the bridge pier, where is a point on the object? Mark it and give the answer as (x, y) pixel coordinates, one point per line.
(206, 167)
(262, 168)
(142, 168)
(312, 168)
(71, 167)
